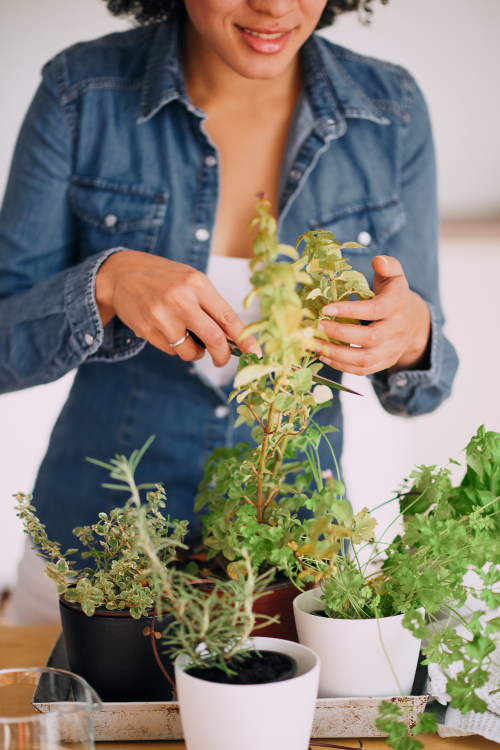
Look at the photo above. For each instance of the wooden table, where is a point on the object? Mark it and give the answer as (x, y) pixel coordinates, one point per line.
(30, 646)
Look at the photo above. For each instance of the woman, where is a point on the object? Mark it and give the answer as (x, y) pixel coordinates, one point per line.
(124, 228)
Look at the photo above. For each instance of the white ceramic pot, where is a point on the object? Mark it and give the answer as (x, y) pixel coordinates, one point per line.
(267, 716)
(358, 657)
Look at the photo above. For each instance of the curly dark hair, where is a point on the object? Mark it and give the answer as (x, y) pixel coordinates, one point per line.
(152, 11)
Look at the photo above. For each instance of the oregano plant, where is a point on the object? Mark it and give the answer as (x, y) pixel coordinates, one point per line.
(252, 494)
(108, 570)
(210, 621)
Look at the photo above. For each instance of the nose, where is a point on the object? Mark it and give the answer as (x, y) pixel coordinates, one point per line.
(273, 8)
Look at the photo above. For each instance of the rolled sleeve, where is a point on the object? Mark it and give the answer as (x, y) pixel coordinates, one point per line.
(408, 393)
(89, 340)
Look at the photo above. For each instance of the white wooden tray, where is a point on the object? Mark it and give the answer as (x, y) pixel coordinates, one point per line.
(334, 717)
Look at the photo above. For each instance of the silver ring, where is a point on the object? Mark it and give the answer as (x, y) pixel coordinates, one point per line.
(181, 340)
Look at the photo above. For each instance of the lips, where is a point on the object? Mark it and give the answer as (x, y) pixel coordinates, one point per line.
(265, 41)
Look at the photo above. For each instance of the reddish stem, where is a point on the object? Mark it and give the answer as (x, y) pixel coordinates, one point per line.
(325, 743)
(157, 656)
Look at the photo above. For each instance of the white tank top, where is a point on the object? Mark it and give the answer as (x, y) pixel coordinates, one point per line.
(231, 278)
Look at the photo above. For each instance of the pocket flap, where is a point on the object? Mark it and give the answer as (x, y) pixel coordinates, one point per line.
(369, 222)
(117, 207)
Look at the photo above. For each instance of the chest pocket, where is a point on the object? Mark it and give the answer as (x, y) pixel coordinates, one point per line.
(111, 214)
(370, 222)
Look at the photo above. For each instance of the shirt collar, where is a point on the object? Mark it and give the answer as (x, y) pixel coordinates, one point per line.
(164, 77)
(334, 97)
(332, 94)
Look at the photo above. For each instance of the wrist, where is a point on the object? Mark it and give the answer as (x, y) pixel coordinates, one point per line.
(103, 290)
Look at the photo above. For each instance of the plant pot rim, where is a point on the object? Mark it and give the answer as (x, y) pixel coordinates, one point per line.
(260, 643)
(102, 611)
(318, 604)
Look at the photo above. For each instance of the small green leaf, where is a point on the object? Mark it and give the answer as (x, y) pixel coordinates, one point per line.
(253, 372)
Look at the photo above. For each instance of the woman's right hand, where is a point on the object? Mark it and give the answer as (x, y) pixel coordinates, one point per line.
(159, 299)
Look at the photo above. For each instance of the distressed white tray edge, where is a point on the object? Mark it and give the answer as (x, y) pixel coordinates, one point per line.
(148, 721)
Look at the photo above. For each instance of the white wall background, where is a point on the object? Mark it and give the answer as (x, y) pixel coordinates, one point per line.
(452, 49)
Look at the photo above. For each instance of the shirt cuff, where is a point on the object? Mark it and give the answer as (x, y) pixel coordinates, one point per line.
(89, 339)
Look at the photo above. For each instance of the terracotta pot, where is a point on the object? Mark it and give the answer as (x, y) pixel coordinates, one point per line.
(114, 653)
(278, 601)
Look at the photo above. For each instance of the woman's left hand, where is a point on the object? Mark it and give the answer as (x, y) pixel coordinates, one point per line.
(398, 331)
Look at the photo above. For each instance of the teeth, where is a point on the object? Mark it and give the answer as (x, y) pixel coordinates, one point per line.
(263, 36)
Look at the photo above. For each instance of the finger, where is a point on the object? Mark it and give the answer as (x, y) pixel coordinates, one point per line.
(214, 338)
(357, 360)
(371, 309)
(187, 351)
(351, 333)
(230, 323)
(186, 347)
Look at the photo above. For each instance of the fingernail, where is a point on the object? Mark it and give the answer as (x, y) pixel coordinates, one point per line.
(256, 350)
(330, 310)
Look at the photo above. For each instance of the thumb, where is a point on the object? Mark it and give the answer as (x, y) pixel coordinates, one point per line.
(385, 268)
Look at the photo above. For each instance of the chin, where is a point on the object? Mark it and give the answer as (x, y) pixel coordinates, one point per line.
(261, 70)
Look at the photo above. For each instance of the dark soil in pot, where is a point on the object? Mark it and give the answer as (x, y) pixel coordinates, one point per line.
(114, 653)
(253, 668)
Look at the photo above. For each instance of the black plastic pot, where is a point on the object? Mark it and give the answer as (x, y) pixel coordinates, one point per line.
(115, 654)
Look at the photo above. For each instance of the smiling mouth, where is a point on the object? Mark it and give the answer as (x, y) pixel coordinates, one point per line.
(268, 36)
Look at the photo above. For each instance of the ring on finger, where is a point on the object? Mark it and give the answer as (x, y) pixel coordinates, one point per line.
(181, 340)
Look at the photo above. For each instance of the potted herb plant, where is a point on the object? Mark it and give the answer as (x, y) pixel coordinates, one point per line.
(414, 587)
(254, 496)
(233, 689)
(107, 601)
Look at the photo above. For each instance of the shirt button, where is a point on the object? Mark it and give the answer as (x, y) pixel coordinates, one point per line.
(295, 174)
(202, 234)
(110, 221)
(401, 382)
(364, 238)
(221, 411)
(210, 160)
(89, 339)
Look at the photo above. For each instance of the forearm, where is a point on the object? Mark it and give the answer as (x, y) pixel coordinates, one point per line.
(55, 327)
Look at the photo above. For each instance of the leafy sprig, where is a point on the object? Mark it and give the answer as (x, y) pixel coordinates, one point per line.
(251, 495)
(422, 574)
(210, 621)
(115, 577)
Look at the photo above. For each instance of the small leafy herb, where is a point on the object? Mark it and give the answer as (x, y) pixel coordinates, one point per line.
(210, 621)
(117, 577)
(421, 574)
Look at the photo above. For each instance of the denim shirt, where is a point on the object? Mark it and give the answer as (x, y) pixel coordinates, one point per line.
(114, 154)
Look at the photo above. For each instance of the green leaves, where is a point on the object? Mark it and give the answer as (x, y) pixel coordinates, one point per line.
(116, 578)
(251, 496)
(394, 720)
